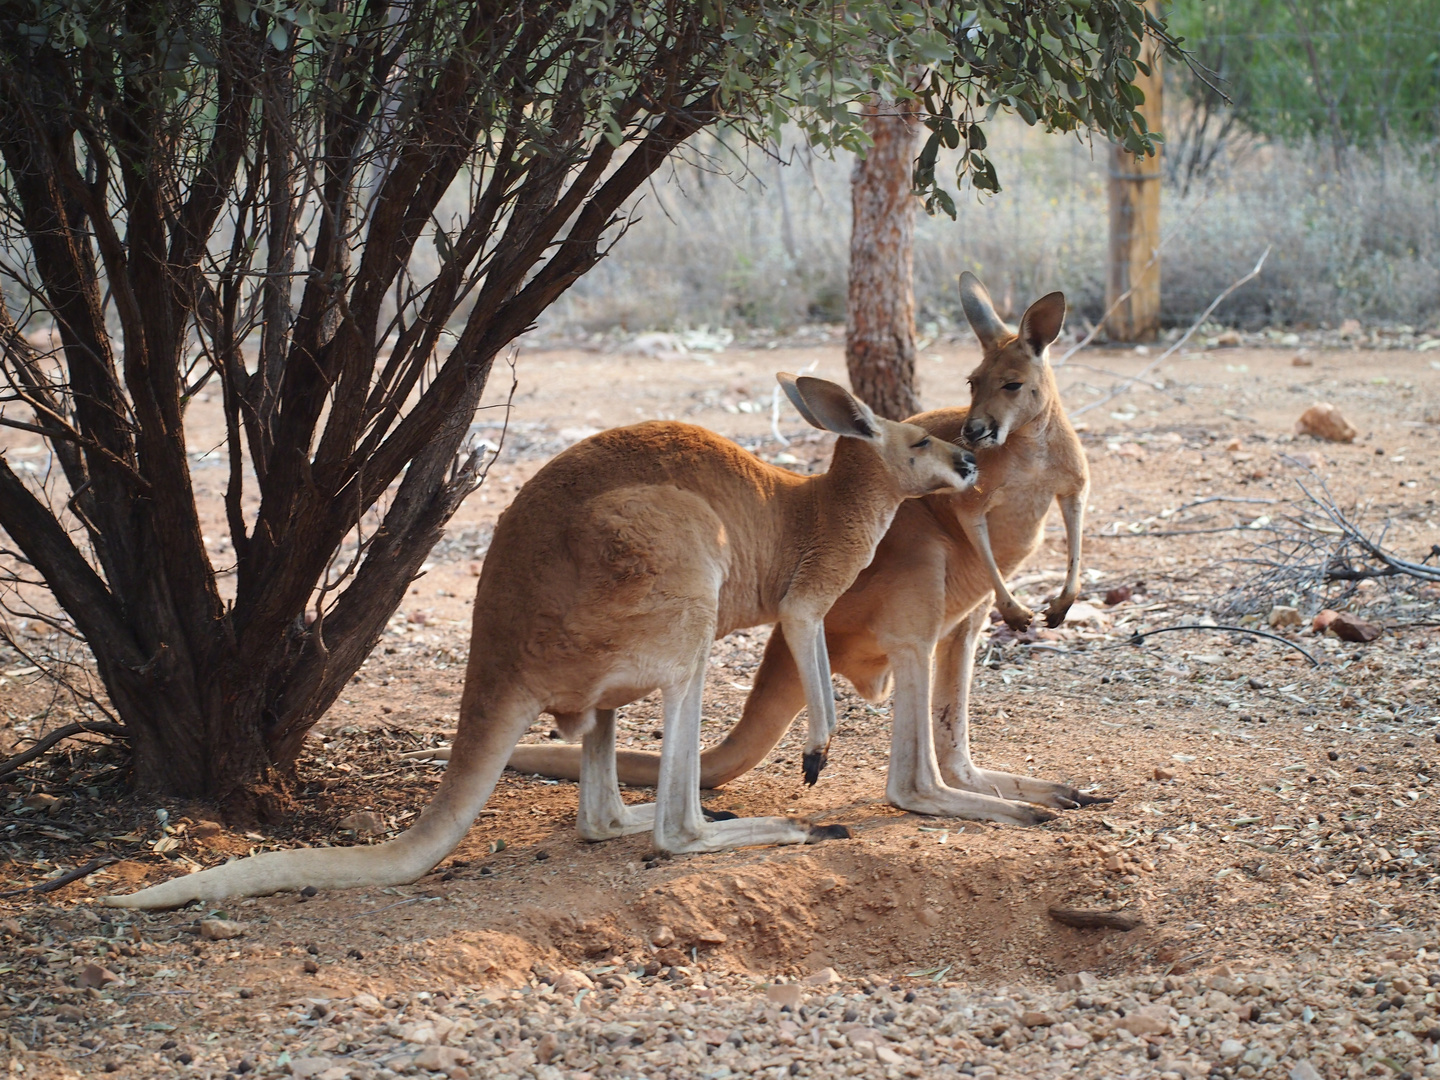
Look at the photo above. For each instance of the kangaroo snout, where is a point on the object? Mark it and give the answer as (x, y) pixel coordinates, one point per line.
(965, 463)
(977, 430)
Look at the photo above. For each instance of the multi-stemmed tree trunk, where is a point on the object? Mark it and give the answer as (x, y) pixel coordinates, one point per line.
(880, 312)
(337, 214)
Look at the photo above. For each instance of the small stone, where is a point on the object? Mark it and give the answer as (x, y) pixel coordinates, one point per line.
(710, 937)
(547, 1048)
(784, 994)
(572, 982)
(886, 1055)
(1231, 1050)
(1323, 619)
(1324, 421)
(1350, 328)
(94, 976)
(1303, 1070)
(306, 1068)
(221, 929)
(1150, 1020)
(1033, 1019)
(928, 916)
(1163, 774)
(441, 1058)
(1228, 339)
(662, 937)
(1118, 595)
(362, 823)
(1301, 360)
(41, 801)
(311, 967)
(1080, 980)
(1348, 627)
(823, 977)
(1282, 616)
(368, 1003)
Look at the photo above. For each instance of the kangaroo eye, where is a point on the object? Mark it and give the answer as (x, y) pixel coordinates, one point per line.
(921, 444)
(1013, 386)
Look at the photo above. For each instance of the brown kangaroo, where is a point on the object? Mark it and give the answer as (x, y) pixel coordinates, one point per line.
(929, 585)
(610, 575)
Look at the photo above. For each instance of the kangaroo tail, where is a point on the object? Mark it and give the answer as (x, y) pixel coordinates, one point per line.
(477, 760)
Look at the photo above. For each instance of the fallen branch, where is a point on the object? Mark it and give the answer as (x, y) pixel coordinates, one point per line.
(1140, 375)
(64, 879)
(115, 731)
(1091, 919)
(1139, 638)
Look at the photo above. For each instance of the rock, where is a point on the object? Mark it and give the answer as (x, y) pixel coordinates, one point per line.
(783, 994)
(221, 929)
(928, 916)
(40, 801)
(362, 823)
(1281, 616)
(710, 937)
(547, 1048)
(1150, 1020)
(1163, 774)
(307, 1067)
(1301, 360)
(823, 977)
(1303, 1070)
(1118, 595)
(662, 937)
(1228, 339)
(205, 830)
(671, 958)
(441, 1058)
(1080, 980)
(1350, 328)
(94, 976)
(572, 982)
(1033, 1019)
(368, 1003)
(1324, 421)
(1322, 621)
(1349, 627)
(1231, 1050)
(886, 1055)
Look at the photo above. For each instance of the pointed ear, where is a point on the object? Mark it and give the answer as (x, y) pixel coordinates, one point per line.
(979, 310)
(829, 406)
(1042, 322)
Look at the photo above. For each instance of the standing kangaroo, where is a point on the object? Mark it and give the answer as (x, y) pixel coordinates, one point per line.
(609, 576)
(929, 585)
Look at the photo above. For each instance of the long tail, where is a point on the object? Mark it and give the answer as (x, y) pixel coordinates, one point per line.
(477, 760)
(773, 704)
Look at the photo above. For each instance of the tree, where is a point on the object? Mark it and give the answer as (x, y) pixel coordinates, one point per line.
(880, 312)
(1348, 72)
(337, 213)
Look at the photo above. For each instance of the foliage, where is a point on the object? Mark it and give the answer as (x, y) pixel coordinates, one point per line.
(1351, 72)
(245, 197)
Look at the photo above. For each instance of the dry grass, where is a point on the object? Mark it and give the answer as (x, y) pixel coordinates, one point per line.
(767, 245)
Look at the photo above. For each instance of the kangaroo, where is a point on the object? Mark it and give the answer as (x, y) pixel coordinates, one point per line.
(609, 576)
(928, 586)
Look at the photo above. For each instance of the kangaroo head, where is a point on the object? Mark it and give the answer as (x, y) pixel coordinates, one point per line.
(1013, 384)
(918, 462)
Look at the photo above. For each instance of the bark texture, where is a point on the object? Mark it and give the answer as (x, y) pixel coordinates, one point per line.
(880, 312)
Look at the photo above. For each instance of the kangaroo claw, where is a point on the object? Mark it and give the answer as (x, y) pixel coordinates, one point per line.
(811, 764)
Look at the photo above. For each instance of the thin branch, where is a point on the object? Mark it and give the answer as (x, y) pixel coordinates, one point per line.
(1140, 375)
(115, 731)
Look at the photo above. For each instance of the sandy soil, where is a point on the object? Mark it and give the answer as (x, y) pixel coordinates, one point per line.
(1273, 819)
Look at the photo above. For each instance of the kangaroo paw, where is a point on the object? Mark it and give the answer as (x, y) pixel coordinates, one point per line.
(811, 764)
(1018, 619)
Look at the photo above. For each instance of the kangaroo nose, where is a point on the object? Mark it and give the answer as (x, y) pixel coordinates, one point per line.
(965, 461)
(975, 429)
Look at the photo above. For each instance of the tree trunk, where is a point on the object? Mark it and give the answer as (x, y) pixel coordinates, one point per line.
(1135, 225)
(880, 313)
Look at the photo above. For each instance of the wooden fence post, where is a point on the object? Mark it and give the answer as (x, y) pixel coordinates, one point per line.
(1135, 223)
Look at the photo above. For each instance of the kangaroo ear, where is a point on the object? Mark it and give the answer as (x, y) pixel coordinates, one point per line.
(1042, 322)
(829, 406)
(980, 311)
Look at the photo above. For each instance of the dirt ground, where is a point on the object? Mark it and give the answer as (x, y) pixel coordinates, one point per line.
(1268, 812)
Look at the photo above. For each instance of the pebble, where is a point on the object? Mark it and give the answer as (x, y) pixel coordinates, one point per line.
(221, 929)
(785, 994)
(94, 976)
(662, 936)
(307, 1067)
(362, 823)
